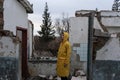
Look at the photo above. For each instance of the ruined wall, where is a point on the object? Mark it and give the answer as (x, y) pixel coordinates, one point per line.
(9, 57)
(47, 65)
(111, 50)
(108, 20)
(79, 36)
(42, 67)
(107, 64)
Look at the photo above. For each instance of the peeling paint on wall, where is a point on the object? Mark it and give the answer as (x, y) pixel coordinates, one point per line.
(9, 57)
(107, 64)
(7, 47)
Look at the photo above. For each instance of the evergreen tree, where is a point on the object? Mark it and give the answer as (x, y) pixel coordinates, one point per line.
(47, 32)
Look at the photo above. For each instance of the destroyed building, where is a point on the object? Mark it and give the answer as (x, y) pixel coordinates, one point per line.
(106, 30)
(15, 39)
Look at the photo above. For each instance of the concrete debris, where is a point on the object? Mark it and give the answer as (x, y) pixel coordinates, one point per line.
(79, 73)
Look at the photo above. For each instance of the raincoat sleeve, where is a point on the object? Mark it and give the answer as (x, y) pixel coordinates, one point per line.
(68, 48)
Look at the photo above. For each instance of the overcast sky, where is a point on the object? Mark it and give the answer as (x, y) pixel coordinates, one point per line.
(68, 7)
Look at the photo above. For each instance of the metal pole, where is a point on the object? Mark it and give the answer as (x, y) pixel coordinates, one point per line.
(90, 45)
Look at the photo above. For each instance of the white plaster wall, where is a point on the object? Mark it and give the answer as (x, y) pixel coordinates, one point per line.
(14, 15)
(111, 21)
(78, 29)
(8, 48)
(111, 50)
(110, 13)
(112, 24)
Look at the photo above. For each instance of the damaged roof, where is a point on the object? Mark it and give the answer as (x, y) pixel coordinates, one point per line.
(26, 4)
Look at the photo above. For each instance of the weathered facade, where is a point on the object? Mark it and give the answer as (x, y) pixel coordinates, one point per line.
(108, 21)
(107, 61)
(44, 67)
(106, 47)
(105, 23)
(9, 56)
(16, 15)
(15, 27)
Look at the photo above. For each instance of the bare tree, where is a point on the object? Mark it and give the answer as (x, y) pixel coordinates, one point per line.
(58, 26)
(62, 24)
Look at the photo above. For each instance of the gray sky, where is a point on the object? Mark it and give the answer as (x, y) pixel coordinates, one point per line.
(68, 7)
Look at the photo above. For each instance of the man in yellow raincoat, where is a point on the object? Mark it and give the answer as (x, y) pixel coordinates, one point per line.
(63, 58)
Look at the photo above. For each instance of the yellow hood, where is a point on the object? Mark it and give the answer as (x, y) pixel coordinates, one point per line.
(66, 36)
